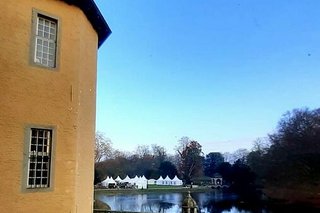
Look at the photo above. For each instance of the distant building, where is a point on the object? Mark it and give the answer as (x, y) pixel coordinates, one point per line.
(217, 180)
(47, 104)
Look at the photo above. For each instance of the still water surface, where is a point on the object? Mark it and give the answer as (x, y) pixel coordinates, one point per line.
(169, 202)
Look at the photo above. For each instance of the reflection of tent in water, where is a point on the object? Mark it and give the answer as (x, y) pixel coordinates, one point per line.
(156, 206)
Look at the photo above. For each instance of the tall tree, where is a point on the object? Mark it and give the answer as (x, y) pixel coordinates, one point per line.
(295, 149)
(103, 147)
(256, 158)
(159, 153)
(167, 168)
(298, 131)
(293, 158)
(142, 151)
(239, 154)
(211, 163)
(243, 180)
(190, 159)
(225, 169)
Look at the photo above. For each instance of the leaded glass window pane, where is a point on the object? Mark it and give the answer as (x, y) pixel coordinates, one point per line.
(39, 158)
(46, 40)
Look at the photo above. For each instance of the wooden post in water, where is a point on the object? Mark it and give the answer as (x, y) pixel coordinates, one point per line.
(189, 205)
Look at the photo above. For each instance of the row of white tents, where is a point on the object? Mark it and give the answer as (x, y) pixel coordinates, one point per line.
(142, 182)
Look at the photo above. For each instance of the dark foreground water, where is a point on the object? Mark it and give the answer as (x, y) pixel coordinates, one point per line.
(214, 201)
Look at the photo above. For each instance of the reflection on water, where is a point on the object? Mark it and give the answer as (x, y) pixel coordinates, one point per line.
(234, 210)
(143, 202)
(168, 202)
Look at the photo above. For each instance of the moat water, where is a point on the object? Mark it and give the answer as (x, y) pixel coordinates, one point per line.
(171, 202)
(215, 201)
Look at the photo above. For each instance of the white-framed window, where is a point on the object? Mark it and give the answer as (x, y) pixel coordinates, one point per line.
(45, 49)
(39, 158)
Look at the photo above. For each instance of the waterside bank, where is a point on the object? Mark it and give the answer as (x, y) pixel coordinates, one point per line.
(155, 189)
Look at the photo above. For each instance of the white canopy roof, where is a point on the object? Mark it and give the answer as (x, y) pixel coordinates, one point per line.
(118, 179)
(127, 179)
(107, 181)
(175, 178)
(160, 178)
(167, 178)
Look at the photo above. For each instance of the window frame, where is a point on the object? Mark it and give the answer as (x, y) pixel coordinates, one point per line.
(26, 159)
(34, 36)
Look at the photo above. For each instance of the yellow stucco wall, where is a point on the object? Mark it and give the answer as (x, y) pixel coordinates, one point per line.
(63, 97)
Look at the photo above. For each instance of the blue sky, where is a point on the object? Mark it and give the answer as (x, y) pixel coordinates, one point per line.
(221, 72)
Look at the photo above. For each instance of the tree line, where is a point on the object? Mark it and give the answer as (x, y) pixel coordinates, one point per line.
(189, 162)
(150, 162)
(287, 158)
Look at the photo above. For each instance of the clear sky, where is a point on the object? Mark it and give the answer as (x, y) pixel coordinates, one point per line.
(221, 72)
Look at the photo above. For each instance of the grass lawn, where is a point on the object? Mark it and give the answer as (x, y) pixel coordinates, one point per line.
(153, 189)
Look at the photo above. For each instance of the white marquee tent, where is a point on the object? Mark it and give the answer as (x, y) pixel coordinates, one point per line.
(107, 181)
(167, 181)
(118, 179)
(152, 181)
(127, 179)
(160, 181)
(176, 181)
(143, 182)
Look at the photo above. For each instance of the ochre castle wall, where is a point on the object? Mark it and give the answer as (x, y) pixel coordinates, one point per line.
(63, 97)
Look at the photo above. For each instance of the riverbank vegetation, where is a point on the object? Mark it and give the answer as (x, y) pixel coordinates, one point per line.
(289, 168)
(285, 165)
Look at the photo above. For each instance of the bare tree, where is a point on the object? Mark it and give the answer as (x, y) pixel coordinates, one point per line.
(239, 154)
(159, 152)
(227, 156)
(261, 145)
(103, 148)
(119, 154)
(142, 151)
